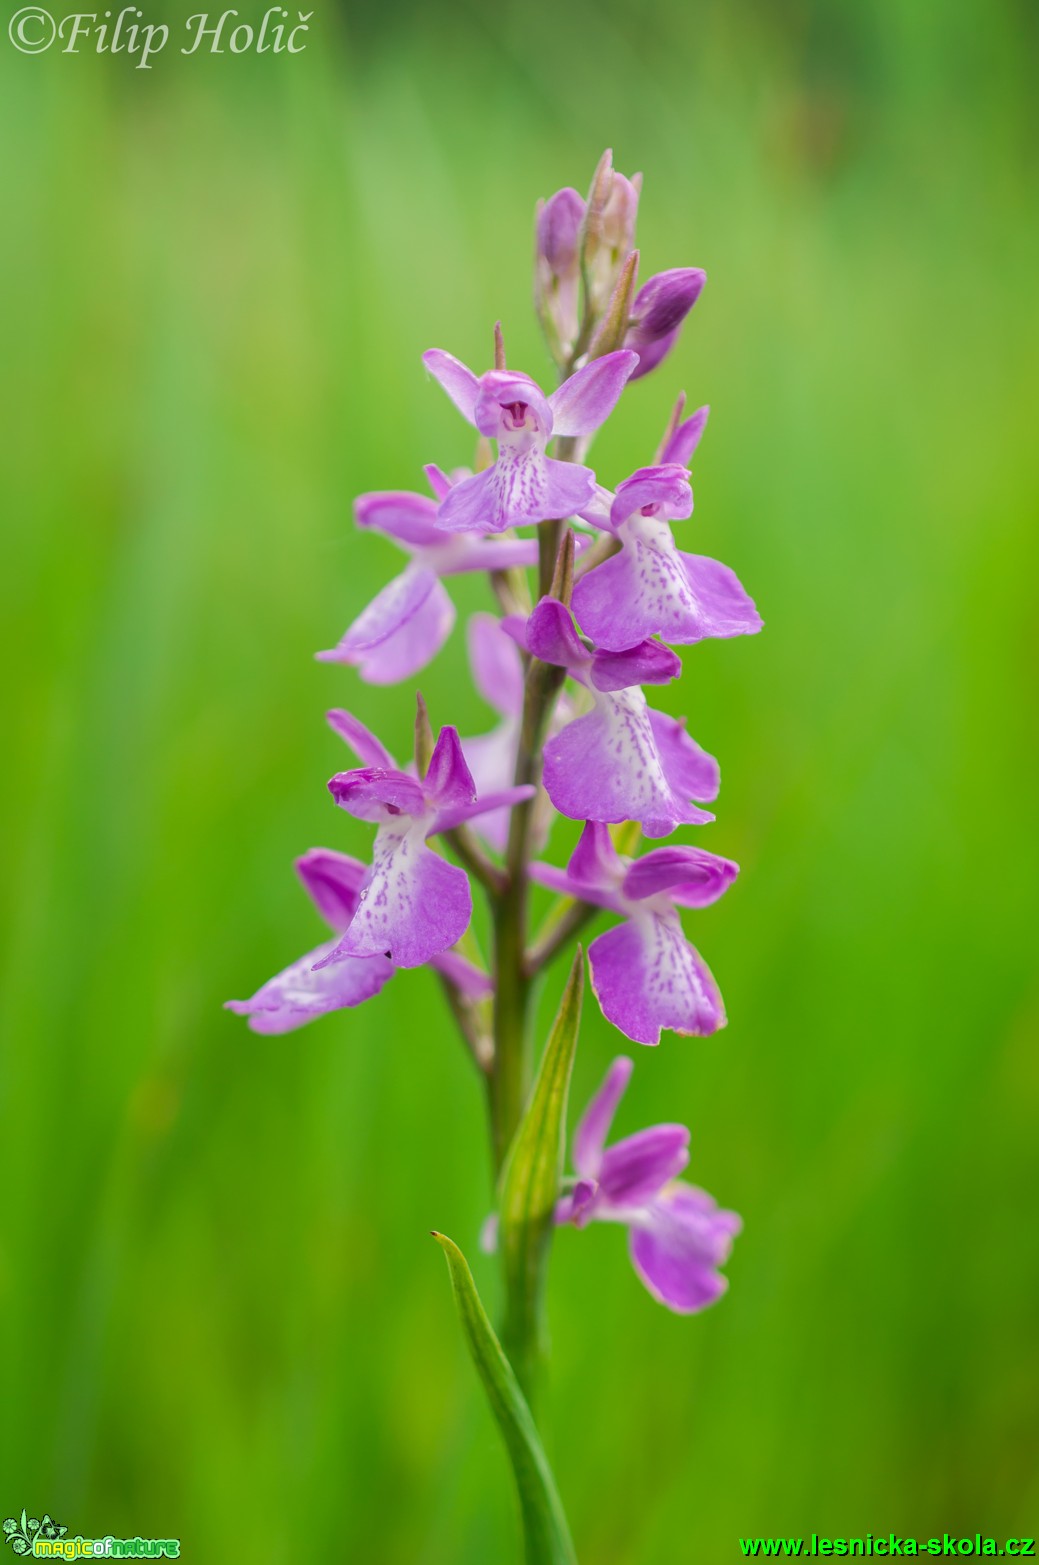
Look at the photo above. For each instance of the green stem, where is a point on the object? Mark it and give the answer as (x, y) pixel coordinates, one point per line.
(509, 1080)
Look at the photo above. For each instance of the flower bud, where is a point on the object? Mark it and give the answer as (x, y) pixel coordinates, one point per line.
(609, 236)
(557, 269)
(661, 306)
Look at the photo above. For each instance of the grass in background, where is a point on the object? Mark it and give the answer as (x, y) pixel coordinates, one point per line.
(223, 1316)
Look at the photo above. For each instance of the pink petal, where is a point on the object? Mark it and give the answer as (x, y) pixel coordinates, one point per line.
(690, 876)
(470, 506)
(594, 861)
(464, 553)
(299, 994)
(594, 1127)
(648, 977)
(448, 782)
(685, 439)
(549, 634)
(497, 667)
(648, 663)
(653, 351)
(469, 979)
(665, 487)
(410, 518)
(371, 793)
(634, 1170)
(492, 760)
(678, 1246)
(579, 1207)
(560, 881)
(725, 607)
(368, 750)
(333, 882)
(659, 309)
(415, 904)
(597, 510)
(438, 480)
(400, 631)
(588, 398)
(570, 487)
(623, 762)
(457, 380)
(504, 799)
(690, 770)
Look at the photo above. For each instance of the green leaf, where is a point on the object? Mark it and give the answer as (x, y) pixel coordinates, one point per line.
(530, 1188)
(546, 1536)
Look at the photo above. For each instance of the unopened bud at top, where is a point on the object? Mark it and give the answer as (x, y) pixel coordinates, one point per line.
(609, 230)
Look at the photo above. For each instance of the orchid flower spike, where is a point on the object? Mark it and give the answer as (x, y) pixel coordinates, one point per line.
(622, 761)
(649, 588)
(412, 905)
(406, 624)
(678, 1237)
(524, 485)
(646, 975)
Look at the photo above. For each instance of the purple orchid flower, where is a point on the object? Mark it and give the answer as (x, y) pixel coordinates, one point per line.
(404, 627)
(622, 761)
(646, 975)
(307, 990)
(678, 1236)
(300, 994)
(649, 588)
(413, 904)
(660, 307)
(524, 485)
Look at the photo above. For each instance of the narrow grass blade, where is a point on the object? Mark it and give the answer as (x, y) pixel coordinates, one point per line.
(546, 1537)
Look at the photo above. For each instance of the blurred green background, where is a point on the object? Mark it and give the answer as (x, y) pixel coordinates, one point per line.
(223, 1317)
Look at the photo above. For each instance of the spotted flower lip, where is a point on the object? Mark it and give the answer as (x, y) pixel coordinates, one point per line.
(646, 975)
(678, 1237)
(649, 588)
(523, 485)
(621, 761)
(406, 624)
(413, 904)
